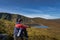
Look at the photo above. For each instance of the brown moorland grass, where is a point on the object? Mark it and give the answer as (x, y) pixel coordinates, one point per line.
(51, 33)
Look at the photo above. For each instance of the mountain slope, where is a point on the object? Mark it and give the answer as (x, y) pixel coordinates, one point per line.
(55, 20)
(13, 17)
(7, 27)
(7, 22)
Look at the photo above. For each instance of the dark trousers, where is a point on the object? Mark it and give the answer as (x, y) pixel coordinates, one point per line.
(23, 34)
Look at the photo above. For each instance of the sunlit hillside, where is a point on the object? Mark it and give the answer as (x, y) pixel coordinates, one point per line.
(34, 33)
(7, 22)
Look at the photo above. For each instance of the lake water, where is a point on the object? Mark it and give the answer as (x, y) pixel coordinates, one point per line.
(41, 26)
(37, 25)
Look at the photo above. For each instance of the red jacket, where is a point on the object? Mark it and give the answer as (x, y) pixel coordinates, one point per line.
(20, 26)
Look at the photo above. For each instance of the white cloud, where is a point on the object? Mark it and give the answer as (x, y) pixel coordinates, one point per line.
(45, 16)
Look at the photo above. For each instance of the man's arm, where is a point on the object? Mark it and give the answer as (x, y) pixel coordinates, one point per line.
(26, 26)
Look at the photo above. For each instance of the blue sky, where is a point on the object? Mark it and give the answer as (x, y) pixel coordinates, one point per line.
(48, 9)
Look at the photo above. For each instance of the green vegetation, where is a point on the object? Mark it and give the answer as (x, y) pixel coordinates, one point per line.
(34, 33)
(7, 22)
